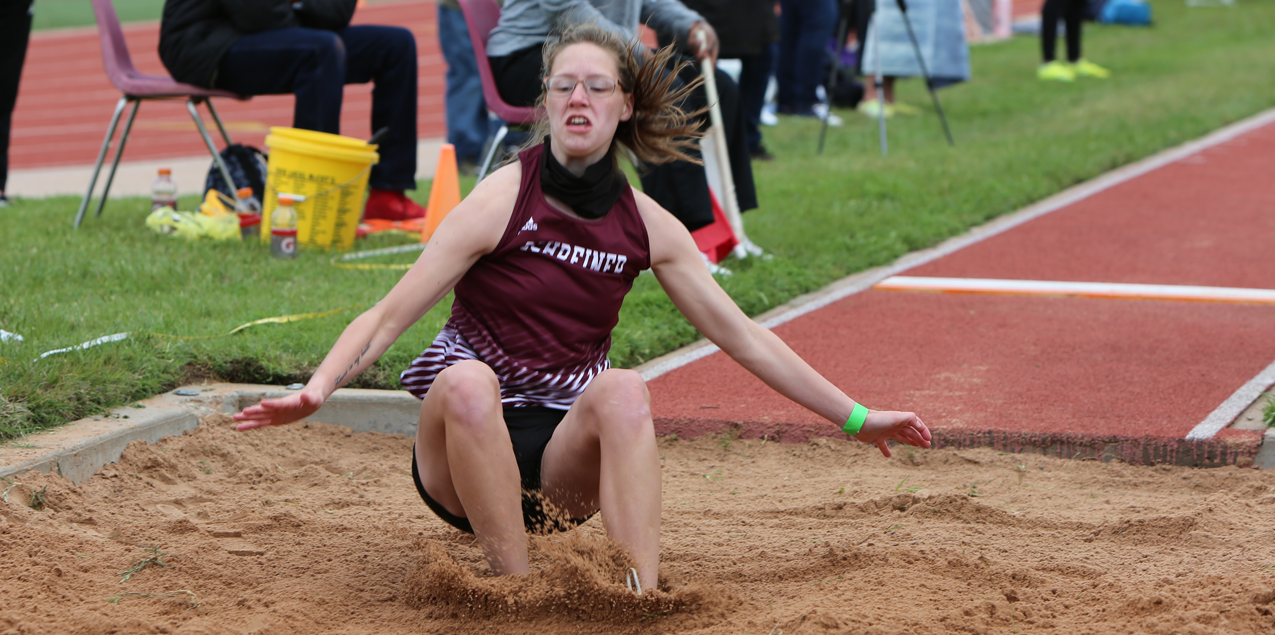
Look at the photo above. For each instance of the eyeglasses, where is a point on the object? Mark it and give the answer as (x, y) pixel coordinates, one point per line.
(561, 86)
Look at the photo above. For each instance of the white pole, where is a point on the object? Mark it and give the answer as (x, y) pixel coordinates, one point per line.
(730, 204)
(878, 80)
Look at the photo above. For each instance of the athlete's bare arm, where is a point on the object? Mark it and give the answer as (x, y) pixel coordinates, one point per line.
(471, 230)
(678, 266)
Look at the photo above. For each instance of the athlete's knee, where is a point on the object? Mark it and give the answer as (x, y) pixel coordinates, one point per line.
(469, 393)
(624, 402)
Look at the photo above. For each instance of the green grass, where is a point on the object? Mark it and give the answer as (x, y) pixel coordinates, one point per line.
(56, 14)
(822, 216)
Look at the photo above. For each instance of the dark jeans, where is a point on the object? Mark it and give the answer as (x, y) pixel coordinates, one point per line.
(468, 125)
(805, 26)
(680, 187)
(15, 31)
(315, 65)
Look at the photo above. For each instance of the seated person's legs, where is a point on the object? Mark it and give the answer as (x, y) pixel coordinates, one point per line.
(315, 65)
(310, 63)
(518, 76)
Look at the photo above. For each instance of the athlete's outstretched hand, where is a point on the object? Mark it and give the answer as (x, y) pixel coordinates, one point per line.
(904, 427)
(277, 412)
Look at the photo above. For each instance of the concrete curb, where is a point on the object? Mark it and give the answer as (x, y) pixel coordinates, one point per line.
(78, 450)
(1265, 458)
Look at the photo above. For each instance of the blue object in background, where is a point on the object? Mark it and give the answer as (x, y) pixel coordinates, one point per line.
(1134, 12)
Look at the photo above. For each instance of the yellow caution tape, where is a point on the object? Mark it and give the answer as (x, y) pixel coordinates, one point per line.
(284, 319)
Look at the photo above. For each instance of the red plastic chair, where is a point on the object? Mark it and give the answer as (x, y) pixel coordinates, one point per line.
(481, 17)
(137, 87)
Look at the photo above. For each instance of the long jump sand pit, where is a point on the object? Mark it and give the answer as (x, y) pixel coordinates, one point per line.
(311, 529)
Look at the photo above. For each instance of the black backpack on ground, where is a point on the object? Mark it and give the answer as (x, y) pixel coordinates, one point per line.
(848, 91)
(247, 166)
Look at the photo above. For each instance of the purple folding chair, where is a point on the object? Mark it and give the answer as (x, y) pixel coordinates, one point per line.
(481, 17)
(137, 87)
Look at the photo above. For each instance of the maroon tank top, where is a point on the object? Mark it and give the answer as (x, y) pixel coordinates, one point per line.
(539, 309)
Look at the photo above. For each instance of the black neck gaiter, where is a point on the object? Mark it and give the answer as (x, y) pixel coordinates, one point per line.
(592, 195)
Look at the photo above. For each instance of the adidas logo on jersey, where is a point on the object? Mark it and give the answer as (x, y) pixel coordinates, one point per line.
(529, 226)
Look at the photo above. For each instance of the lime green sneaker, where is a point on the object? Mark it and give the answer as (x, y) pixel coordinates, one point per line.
(905, 109)
(1085, 68)
(1056, 71)
(870, 108)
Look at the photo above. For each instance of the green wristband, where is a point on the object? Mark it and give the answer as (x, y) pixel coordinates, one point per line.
(855, 423)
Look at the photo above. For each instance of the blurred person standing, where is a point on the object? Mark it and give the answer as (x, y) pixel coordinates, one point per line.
(467, 118)
(805, 27)
(15, 33)
(748, 31)
(939, 27)
(1072, 13)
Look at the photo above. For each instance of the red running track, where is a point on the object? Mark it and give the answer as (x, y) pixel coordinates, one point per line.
(1068, 376)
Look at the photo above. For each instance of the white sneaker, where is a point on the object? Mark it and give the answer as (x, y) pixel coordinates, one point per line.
(822, 112)
(714, 269)
(747, 248)
(768, 117)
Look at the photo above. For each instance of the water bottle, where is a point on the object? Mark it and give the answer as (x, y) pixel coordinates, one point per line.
(249, 211)
(164, 190)
(245, 202)
(283, 229)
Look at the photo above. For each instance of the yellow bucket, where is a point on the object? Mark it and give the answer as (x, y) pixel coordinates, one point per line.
(330, 171)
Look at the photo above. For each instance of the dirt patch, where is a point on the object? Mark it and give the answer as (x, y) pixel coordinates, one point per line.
(311, 529)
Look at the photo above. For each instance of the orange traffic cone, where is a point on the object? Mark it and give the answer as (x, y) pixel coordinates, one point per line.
(445, 193)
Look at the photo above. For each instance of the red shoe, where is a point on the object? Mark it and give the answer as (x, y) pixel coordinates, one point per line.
(391, 205)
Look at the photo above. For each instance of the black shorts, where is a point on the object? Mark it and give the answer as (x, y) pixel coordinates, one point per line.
(530, 429)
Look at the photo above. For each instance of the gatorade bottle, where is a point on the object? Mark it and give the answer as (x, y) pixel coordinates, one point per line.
(164, 190)
(246, 202)
(283, 229)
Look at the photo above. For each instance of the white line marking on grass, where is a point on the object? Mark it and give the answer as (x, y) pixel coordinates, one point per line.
(1232, 407)
(864, 280)
(1111, 290)
(105, 339)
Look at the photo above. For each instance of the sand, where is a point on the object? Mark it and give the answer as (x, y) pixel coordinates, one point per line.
(311, 529)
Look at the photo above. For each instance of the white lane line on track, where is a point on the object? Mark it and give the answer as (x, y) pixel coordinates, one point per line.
(863, 281)
(1108, 290)
(1217, 420)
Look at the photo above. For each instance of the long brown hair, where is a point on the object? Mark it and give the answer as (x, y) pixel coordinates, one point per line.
(659, 130)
